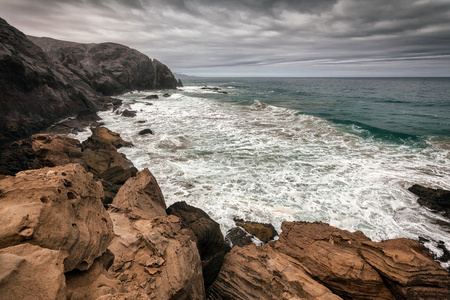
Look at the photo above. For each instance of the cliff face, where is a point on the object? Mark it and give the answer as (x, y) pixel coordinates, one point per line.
(34, 92)
(43, 80)
(108, 68)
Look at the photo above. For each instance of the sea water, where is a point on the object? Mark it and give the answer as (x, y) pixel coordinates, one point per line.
(338, 150)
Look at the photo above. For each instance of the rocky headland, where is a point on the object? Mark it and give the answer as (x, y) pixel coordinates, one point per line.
(79, 221)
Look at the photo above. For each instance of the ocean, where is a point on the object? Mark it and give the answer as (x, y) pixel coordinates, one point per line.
(338, 150)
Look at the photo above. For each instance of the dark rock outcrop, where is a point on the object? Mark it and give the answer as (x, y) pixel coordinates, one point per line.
(210, 242)
(34, 92)
(145, 131)
(238, 237)
(435, 199)
(109, 68)
(264, 232)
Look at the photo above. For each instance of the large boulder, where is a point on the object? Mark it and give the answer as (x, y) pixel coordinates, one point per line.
(208, 236)
(154, 254)
(56, 208)
(109, 68)
(31, 272)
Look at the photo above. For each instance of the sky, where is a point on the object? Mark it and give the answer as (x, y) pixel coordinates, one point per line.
(293, 38)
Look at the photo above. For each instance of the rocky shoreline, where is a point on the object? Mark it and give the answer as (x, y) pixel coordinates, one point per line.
(79, 221)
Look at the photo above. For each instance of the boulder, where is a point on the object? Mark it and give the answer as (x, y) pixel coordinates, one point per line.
(331, 256)
(128, 113)
(140, 197)
(166, 95)
(208, 236)
(56, 208)
(145, 131)
(103, 138)
(152, 97)
(32, 272)
(264, 232)
(238, 237)
(408, 269)
(253, 272)
(435, 199)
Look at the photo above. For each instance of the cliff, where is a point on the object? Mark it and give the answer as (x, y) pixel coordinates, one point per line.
(44, 83)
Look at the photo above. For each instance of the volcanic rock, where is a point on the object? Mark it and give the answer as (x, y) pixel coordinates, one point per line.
(210, 242)
(435, 199)
(56, 208)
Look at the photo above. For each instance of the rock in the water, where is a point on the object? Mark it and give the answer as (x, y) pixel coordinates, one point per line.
(253, 272)
(435, 199)
(102, 137)
(210, 242)
(152, 97)
(264, 232)
(166, 95)
(31, 272)
(145, 131)
(238, 237)
(56, 208)
(128, 113)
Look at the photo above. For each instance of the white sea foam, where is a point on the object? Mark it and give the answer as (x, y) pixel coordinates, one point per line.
(271, 164)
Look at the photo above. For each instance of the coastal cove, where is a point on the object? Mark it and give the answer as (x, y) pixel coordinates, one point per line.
(253, 153)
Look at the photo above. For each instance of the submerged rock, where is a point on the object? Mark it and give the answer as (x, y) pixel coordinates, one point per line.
(145, 131)
(435, 199)
(152, 97)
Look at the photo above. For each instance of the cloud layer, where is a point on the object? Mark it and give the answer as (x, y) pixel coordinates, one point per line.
(257, 37)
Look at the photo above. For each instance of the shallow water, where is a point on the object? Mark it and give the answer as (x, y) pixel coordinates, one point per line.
(233, 157)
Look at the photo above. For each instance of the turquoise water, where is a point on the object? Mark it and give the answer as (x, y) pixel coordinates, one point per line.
(341, 151)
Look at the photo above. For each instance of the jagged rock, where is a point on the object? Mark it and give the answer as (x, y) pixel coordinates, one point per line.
(141, 197)
(152, 97)
(179, 84)
(56, 208)
(103, 138)
(109, 68)
(55, 150)
(408, 269)
(238, 237)
(264, 232)
(435, 199)
(145, 131)
(31, 272)
(210, 242)
(330, 255)
(128, 113)
(253, 272)
(35, 91)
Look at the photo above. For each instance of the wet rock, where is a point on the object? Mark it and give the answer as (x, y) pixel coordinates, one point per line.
(37, 202)
(128, 113)
(435, 199)
(166, 95)
(152, 97)
(103, 138)
(209, 238)
(238, 237)
(145, 131)
(253, 272)
(179, 84)
(264, 232)
(32, 272)
(141, 121)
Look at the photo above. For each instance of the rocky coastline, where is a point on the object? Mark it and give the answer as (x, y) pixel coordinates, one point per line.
(79, 221)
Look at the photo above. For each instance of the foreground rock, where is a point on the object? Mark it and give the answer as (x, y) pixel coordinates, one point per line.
(209, 238)
(56, 208)
(154, 254)
(315, 260)
(435, 199)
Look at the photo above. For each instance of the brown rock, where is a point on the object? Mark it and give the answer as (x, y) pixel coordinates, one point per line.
(264, 232)
(330, 255)
(210, 242)
(141, 197)
(408, 269)
(253, 272)
(57, 208)
(103, 138)
(31, 272)
(55, 150)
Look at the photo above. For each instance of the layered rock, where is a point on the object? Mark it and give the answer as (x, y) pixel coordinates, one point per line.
(109, 68)
(335, 262)
(56, 208)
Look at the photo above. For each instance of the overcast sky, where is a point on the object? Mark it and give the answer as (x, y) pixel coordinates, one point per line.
(256, 38)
